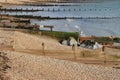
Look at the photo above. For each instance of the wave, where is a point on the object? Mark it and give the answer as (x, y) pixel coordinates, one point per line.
(81, 32)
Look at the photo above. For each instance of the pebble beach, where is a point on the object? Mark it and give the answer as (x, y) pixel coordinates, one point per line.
(23, 57)
(30, 67)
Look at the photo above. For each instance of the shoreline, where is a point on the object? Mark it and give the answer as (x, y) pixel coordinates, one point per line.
(45, 3)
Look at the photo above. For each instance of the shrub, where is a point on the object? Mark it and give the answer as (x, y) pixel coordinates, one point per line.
(61, 35)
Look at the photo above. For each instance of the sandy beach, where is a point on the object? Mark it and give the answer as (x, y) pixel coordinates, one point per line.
(26, 61)
(30, 67)
(25, 55)
(15, 1)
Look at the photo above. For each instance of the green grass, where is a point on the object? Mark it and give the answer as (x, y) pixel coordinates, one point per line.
(55, 34)
(61, 35)
(65, 35)
(103, 39)
(116, 40)
(107, 39)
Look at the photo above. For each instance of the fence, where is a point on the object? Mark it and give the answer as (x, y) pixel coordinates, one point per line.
(51, 10)
(108, 56)
(87, 56)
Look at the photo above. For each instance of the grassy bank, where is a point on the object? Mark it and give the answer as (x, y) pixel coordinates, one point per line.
(107, 39)
(55, 34)
(65, 35)
(61, 35)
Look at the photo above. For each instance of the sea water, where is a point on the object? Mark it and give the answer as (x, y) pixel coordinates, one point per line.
(85, 26)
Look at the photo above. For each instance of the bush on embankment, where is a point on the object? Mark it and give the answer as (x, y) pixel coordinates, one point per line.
(61, 35)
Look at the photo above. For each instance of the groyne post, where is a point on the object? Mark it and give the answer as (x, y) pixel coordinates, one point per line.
(48, 9)
(69, 9)
(42, 9)
(53, 10)
(74, 9)
(74, 53)
(43, 48)
(58, 9)
(103, 51)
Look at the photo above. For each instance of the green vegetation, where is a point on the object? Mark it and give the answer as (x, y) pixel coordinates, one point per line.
(61, 35)
(55, 34)
(65, 35)
(107, 39)
(103, 39)
(116, 40)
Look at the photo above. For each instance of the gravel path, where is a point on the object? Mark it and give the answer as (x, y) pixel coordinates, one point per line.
(31, 67)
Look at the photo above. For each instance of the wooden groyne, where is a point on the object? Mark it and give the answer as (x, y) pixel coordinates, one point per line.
(48, 10)
(21, 26)
(48, 17)
(21, 10)
(21, 21)
(50, 4)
